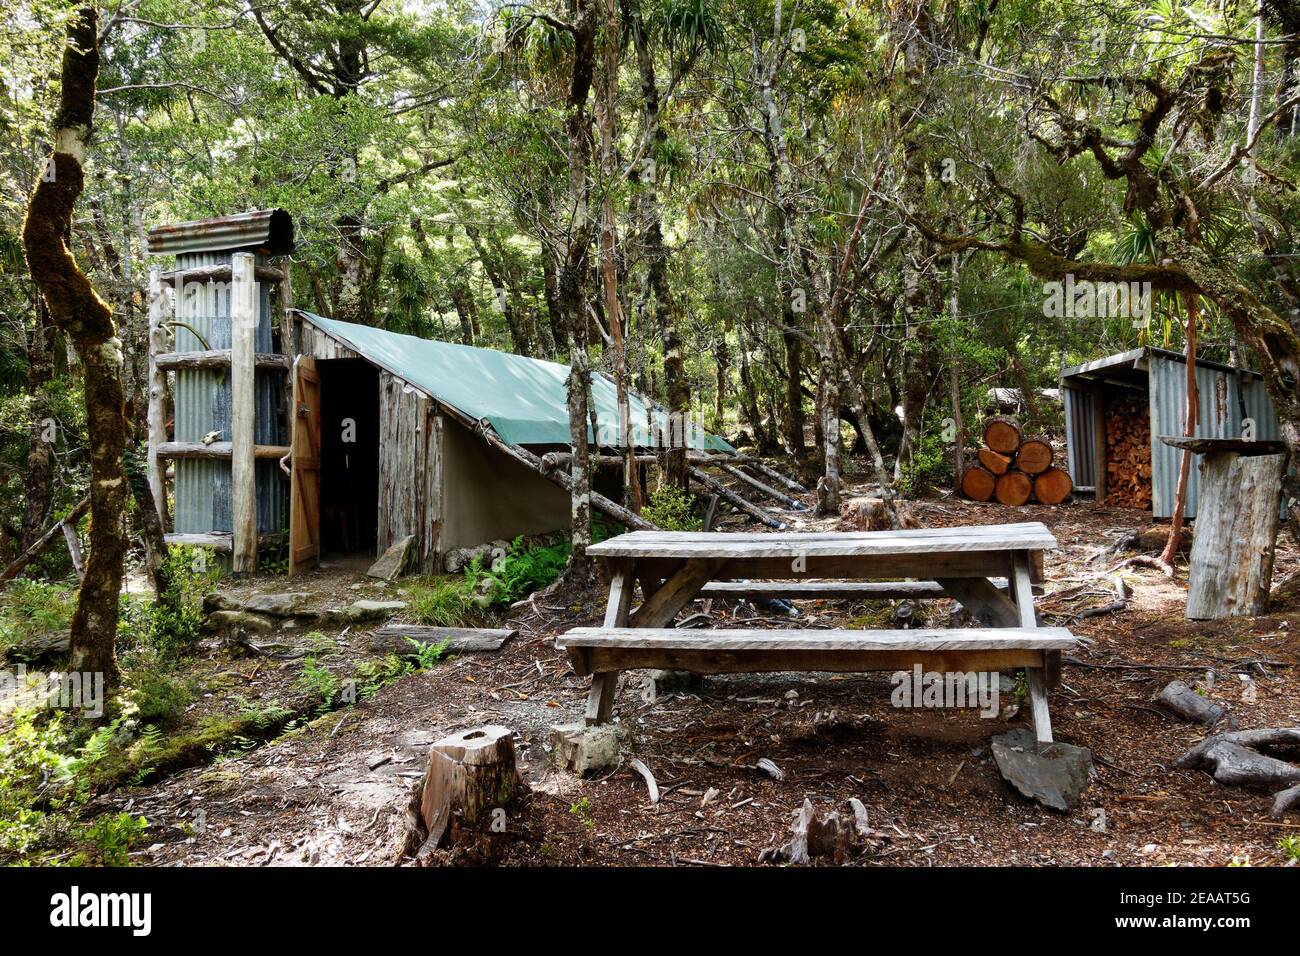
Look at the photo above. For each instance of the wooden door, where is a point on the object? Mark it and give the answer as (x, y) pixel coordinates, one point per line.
(304, 512)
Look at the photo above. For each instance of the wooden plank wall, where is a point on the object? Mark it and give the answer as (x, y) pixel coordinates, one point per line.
(410, 456)
(410, 470)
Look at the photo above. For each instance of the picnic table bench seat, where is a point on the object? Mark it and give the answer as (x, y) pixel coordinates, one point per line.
(990, 570)
(703, 651)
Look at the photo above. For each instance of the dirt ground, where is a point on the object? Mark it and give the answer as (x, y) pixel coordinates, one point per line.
(334, 791)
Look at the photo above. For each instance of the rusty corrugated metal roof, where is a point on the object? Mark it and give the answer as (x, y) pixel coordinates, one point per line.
(264, 230)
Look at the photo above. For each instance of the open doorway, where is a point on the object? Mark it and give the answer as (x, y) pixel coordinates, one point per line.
(349, 476)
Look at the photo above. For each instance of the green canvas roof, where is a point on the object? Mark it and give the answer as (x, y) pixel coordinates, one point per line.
(523, 398)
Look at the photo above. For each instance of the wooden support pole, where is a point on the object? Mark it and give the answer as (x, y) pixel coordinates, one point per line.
(565, 481)
(74, 548)
(765, 489)
(771, 473)
(40, 544)
(157, 413)
(729, 496)
(243, 411)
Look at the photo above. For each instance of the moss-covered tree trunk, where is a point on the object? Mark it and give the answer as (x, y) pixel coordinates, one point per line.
(76, 309)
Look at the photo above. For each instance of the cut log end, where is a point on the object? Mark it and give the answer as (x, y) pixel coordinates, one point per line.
(1002, 435)
(1034, 456)
(1052, 486)
(996, 463)
(1013, 488)
(978, 484)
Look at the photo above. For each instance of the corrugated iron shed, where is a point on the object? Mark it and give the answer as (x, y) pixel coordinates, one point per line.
(1162, 376)
(523, 398)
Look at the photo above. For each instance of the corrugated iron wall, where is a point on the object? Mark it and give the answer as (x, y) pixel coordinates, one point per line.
(202, 405)
(1080, 409)
(1220, 417)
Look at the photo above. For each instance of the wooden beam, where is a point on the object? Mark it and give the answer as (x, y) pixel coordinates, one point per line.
(217, 358)
(729, 496)
(679, 590)
(217, 450)
(157, 412)
(217, 274)
(772, 473)
(217, 540)
(243, 411)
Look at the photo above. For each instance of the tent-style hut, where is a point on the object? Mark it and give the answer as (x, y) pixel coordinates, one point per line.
(352, 438)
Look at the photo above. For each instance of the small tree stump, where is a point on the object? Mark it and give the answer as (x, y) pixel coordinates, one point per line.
(1237, 514)
(469, 775)
(869, 514)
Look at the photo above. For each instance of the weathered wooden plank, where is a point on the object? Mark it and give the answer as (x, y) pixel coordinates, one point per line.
(459, 640)
(983, 600)
(243, 412)
(1221, 446)
(216, 540)
(184, 277)
(589, 660)
(791, 544)
(743, 639)
(824, 590)
(982, 564)
(216, 358)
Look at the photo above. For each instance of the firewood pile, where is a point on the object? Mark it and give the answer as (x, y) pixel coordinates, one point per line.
(1128, 454)
(1015, 470)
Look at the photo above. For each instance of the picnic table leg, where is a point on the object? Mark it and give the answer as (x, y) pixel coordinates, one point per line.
(600, 702)
(1021, 588)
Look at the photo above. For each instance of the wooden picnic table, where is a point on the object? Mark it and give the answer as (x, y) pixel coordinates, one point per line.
(988, 569)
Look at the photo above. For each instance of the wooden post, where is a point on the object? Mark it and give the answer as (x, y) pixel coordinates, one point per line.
(288, 348)
(243, 411)
(157, 417)
(1237, 514)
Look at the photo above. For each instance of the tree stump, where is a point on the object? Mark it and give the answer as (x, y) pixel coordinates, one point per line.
(869, 514)
(469, 775)
(1237, 514)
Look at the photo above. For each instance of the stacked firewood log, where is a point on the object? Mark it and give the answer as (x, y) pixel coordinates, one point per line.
(1128, 453)
(1014, 470)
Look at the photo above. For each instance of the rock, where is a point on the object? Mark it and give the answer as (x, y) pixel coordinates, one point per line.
(583, 750)
(461, 558)
(393, 562)
(290, 604)
(659, 683)
(360, 612)
(1055, 775)
(239, 621)
(287, 604)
